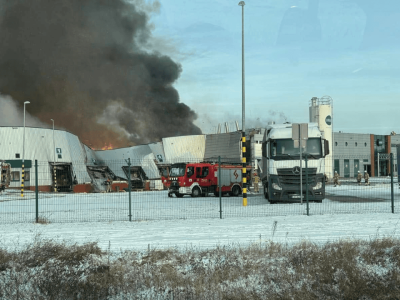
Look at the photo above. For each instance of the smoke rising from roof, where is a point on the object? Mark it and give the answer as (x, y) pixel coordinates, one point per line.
(12, 115)
(83, 64)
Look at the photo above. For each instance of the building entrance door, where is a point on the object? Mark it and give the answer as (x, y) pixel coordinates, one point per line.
(337, 166)
(346, 168)
(356, 167)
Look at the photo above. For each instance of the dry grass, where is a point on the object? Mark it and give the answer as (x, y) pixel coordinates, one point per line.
(346, 269)
(42, 220)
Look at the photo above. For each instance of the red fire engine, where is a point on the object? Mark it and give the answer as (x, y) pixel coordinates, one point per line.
(200, 179)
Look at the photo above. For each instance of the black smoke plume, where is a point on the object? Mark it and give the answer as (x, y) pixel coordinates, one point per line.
(83, 64)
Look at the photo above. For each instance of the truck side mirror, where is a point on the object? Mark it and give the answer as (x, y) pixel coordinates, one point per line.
(326, 147)
(264, 149)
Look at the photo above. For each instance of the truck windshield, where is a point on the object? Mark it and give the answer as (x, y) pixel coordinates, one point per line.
(284, 149)
(177, 170)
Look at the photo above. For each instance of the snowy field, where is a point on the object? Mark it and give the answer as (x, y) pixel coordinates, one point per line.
(350, 211)
(156, 205)
(207, 233)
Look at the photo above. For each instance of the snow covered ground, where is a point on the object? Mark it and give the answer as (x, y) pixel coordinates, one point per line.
(350, 211)
(207, 233)
(156, 205)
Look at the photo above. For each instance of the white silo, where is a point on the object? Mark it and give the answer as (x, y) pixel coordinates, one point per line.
(321, 112)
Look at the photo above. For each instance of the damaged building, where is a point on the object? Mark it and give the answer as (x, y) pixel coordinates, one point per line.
(61, 158)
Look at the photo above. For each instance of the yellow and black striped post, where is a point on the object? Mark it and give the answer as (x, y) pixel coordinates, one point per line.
(22, 179)
(244, 178)
(55, 178)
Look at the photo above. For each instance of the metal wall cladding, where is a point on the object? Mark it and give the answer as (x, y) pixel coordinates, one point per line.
(184, 148)
(226, 145)
(141, 156)
(256, 143)
(39, 145)
(91, 158)
(351, 144)
(158, 151)
(395, 139)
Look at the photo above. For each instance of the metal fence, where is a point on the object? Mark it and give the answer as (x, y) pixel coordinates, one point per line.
(131, 190)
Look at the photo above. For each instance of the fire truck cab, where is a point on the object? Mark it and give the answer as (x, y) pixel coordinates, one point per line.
(200, 179)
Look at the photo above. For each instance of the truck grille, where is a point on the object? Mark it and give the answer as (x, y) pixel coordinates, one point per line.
(286, 176)
(174, 185)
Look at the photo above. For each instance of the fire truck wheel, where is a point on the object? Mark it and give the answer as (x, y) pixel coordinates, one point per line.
(196, 192)
(235, 191)
(169, 195)
(179, 195)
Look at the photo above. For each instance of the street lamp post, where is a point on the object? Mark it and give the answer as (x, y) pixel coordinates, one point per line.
(244, 179)
(23, 156)
(54, 161)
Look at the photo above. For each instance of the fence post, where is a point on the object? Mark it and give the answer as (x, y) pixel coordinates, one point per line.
(129, 190)
(219, 187)
(391, 181)
(308, 208)
(36, 192)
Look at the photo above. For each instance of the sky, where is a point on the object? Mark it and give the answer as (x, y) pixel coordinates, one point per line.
(294, 50)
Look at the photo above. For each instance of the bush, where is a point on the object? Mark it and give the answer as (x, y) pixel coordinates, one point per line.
(345, 269)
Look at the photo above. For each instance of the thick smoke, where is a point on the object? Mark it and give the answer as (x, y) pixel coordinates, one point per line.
(82, 63)
(12, 115)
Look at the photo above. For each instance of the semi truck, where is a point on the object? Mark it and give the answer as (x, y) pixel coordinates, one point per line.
(201, 179)
(398, 163)
(280, 174)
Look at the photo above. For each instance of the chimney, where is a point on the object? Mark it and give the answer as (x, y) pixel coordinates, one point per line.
(226, 127)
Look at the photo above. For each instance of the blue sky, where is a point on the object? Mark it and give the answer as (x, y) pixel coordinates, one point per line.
(294, 50)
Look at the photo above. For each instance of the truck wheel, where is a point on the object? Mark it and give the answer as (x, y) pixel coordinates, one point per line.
(196, 192)
(169, 195)
(179, 195)
(235, 191)
(266, 192)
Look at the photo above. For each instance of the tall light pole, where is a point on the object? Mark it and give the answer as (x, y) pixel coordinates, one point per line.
(54, 161)
(23, 156)
(244, 179)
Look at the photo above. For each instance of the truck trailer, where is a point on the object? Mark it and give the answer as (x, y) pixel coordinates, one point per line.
(280, 173)
(201, 179)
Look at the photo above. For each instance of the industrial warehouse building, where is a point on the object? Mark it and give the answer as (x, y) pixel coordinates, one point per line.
(353, 152)
(53, 149)
(71, 166)
(68, 165)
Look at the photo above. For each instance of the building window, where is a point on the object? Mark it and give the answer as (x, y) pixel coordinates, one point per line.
(365, 160)
(356, 144)
(335, 143)
(27, 175)
(16, 155)
(15, 176)
(345, 144)
(365, 144)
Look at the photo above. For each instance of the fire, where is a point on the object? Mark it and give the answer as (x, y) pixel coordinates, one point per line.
(109, 147)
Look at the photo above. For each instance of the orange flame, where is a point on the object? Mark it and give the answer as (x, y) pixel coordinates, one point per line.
(109, 147)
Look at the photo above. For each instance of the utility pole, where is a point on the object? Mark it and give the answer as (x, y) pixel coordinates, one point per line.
(244, 163)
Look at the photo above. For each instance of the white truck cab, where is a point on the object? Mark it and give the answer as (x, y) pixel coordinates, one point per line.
(281, 164)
